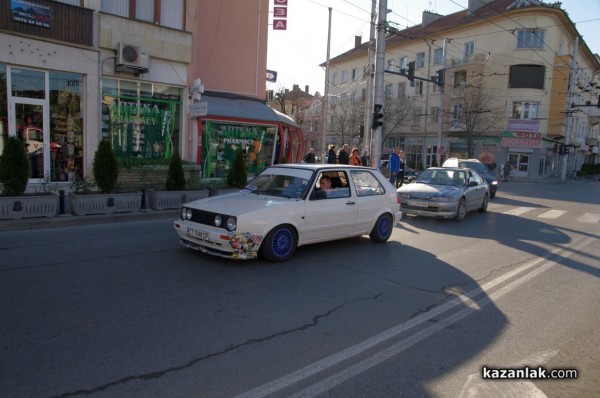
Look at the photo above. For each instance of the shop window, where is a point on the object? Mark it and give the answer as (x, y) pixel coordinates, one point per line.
(142, 120)
(66, 126)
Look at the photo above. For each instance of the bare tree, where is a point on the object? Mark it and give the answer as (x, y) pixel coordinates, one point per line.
(347, 121)
(397, 112)
(474, 115)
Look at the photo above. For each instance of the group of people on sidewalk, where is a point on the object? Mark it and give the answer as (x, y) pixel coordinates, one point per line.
(343, 156)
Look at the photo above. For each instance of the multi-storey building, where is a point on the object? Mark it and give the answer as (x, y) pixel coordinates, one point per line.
(517, 84)
(151, 76)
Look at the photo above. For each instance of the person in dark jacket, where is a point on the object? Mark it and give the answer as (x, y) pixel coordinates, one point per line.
(331, 157)
(310, 156)
(365, 158)
(344, 155)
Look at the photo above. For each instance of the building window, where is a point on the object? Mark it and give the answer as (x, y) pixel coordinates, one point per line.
(416, 117)
(354, 74)
(530, 38)
(343, 98)
(401, 90)
(353, 97)
(144, 10)
(142, 120)
(460, 78)
(403, 62)
(389, 91)
(469, 50)
(419, 87)
(435, 114)
(332, 100)
(333, 78)
(420, 61)
(438, 56)
(525, 110)
(527, 76)
(457, 111)
(171, 14)
(363, 94)
(344, 77)
(171, 11)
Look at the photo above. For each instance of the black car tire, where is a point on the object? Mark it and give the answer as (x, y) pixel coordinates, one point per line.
(280, 244)
(461, 210)
(382, 230)
(484, 205)
(492, 195)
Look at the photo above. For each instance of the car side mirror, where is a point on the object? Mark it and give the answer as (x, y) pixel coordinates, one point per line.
(473, 183)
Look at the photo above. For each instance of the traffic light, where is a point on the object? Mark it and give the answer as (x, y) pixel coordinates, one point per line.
(377, 117)
(440, 77)
(411, 71)
(561, 149)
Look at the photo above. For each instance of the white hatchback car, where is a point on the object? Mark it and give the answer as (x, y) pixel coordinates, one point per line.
(285, 207)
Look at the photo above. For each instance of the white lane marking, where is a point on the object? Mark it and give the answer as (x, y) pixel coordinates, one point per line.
(590, 218)
(518, 211)
(361, 366)
(552, 214)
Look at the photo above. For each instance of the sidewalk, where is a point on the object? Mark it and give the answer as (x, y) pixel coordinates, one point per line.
(67, 220)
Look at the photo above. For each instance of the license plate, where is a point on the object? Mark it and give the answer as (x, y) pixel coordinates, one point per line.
(195, 233)
(417, 203)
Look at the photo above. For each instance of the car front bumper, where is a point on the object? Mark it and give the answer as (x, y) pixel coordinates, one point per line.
(218, 241)
(433, 209)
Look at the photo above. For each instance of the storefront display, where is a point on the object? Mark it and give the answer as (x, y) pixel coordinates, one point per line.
(142, 120)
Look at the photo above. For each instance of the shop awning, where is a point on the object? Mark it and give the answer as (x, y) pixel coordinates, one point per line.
(244, 109)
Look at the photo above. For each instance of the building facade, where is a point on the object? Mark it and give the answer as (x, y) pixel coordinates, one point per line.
(501, 81)
(152, 76)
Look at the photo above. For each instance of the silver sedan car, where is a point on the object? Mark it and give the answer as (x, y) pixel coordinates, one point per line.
(448, 192)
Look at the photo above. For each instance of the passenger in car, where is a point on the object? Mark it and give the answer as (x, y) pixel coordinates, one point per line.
(325, 183)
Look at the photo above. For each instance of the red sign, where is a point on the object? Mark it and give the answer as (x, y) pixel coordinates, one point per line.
(280, 2)
(279, 24)
(279, 12)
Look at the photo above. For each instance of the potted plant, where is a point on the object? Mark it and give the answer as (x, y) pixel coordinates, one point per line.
(14, 175)
(106, 171)
(175, 193)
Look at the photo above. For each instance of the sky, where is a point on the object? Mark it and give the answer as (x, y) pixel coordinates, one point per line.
(296, 53)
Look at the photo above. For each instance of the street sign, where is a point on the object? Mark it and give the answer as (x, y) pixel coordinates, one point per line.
(199, 109)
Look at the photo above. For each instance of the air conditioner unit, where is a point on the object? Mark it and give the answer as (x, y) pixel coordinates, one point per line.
(132, 59)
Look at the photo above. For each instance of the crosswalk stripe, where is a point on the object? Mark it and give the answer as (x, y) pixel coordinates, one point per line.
(590, 218)
(518, 211)
(552, 214)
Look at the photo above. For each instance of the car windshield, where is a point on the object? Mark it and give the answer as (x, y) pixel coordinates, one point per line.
(478, 167)
(281, 181)
(442, 177)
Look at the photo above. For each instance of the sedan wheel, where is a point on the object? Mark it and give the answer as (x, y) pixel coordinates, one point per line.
(382, 230)
(461, 211)
(280, 244)
(484, 205)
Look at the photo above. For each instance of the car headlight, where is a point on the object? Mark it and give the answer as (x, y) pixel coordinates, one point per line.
(441, 199)
(494, 182)
(231, 223)
(218, 220)
(185, 213)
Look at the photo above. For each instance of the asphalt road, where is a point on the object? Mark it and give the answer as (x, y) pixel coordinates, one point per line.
(121, 310)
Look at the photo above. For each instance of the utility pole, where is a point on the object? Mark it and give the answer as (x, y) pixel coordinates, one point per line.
(325, 101)
(370, 73)
(441, 115)
(378, 96)
(568, 126)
